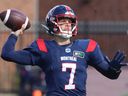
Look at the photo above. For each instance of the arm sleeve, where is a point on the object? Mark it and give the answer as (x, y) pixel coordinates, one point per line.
(27, 56)
(99, 63)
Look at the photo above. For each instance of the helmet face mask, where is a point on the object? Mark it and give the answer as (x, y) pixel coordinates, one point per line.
(61, 12)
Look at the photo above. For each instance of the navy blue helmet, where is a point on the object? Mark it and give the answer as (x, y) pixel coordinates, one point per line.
(59, 12)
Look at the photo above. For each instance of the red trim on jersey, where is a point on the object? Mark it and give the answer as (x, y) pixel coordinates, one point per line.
(41, 45)
(91, 46)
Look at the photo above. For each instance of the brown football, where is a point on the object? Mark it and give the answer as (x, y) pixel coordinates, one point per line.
(14, 19)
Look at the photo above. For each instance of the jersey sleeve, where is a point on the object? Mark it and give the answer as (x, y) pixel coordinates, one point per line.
(34, 52)
(97, 60)
(27, 56)
(94, 55)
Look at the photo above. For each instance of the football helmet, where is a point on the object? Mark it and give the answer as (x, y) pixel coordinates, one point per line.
(57, 13)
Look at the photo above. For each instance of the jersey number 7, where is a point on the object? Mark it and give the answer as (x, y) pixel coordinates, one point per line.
(72, 66)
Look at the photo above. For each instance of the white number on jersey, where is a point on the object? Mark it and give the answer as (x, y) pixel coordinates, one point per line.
(72, 66)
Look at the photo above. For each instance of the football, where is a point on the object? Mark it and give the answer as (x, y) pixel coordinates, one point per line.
(14, 19)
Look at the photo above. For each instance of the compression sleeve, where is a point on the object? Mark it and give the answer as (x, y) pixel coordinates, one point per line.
(24, 57)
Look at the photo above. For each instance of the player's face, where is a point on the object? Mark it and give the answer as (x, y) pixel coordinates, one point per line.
(65, 25)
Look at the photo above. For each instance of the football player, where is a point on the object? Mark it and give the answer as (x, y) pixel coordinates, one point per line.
(64, 62)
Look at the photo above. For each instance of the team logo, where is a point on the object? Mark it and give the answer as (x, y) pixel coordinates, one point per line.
(67, 50)
(79, 54)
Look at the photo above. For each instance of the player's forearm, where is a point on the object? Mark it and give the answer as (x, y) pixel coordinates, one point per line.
(105, 69)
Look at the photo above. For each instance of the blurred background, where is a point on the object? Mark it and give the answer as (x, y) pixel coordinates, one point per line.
(105, 21)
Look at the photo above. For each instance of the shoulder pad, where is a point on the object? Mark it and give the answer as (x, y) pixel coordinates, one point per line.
(41, 45)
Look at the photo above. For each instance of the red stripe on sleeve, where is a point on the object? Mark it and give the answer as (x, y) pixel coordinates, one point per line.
(91, 46)
(41, 45)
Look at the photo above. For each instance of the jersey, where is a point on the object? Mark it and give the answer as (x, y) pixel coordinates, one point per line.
(65, 66)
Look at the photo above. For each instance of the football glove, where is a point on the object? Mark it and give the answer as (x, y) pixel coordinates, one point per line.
(116, 60)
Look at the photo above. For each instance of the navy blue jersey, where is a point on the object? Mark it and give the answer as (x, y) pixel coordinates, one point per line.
(65, 66)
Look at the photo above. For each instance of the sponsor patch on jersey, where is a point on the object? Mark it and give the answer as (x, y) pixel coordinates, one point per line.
(79, 54)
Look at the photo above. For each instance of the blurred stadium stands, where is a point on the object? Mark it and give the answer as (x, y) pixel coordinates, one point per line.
(105, 21)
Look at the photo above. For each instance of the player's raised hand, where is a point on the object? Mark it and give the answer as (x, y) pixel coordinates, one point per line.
(117, 59)
(20, 31)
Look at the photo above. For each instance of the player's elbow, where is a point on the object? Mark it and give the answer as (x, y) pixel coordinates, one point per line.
(5, 56)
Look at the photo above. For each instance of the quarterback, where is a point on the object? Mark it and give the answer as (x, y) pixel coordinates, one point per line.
(63, 61)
